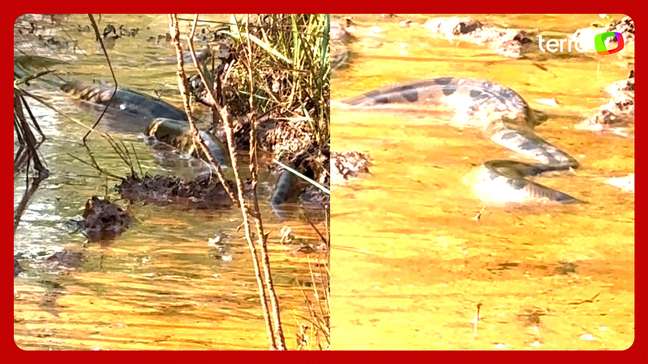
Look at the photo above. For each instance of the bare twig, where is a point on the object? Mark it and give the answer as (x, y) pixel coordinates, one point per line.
(319, 315)
(112, 72)
(64, 115)
(30, 143)
(256, 214)
(95, 165)
(28, 149)
(31, 77)
(591, 300)
(29, 192)
(183, 85)
(322, 238)
(33, 119)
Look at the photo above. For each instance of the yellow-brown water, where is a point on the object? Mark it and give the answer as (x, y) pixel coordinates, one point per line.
(413, 253)
(159, 285)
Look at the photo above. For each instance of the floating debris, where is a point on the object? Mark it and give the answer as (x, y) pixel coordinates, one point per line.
(566, 268)
(104, 220)
(405, 23)
(286, 235)
(286, 138)
(512, 43)
(202, 193)
(479, 214)
(587, 337)
(215, 241)
(617, 115)
(65, 259)
(218, 249)
(625, 183)
(348, 164)
(584, 37)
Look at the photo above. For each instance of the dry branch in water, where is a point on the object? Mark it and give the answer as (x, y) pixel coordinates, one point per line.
(183, 86)
(112, 72)
(267, 295)
(27, 154)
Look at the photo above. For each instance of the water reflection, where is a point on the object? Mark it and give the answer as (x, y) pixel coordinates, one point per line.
(435, 269)
(160, 285)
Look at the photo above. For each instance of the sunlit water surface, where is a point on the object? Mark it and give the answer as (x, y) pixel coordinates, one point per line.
(413, 257)
(159, 285)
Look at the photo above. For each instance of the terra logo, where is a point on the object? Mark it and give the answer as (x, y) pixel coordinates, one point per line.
(601, 46)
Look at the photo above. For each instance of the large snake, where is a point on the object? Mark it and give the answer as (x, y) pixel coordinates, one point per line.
(166, 123)
(504, 117)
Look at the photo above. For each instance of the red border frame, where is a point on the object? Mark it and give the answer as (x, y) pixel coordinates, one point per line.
(636, 353)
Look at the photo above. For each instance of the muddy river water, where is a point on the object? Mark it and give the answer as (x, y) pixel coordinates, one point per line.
(418, 262)
(159, 285)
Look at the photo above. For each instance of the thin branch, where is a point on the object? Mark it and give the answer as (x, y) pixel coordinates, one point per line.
(112, 72)
(183, 85)
(64, 115)
(26, 138)
(256, 214)
(29, 192)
